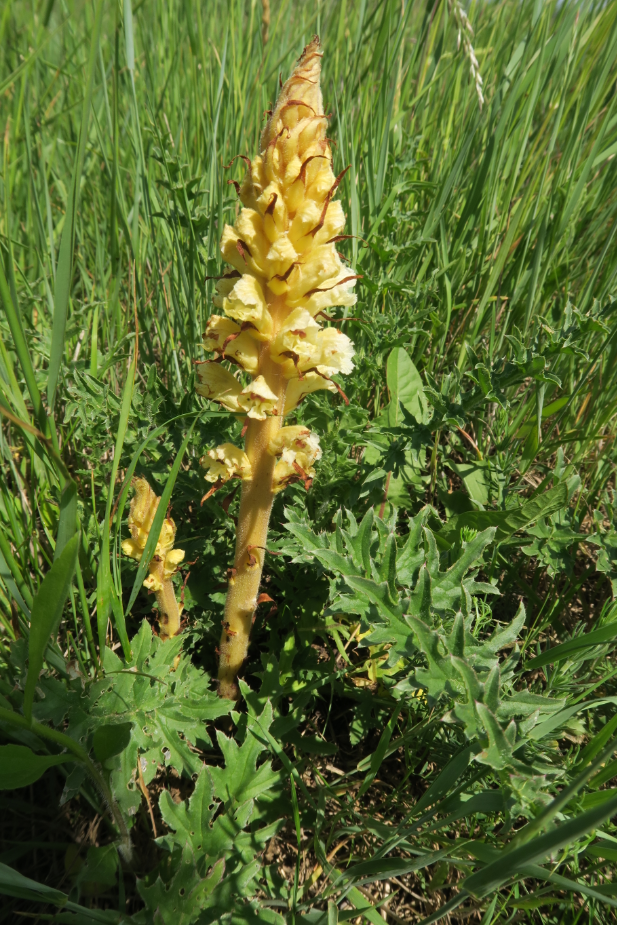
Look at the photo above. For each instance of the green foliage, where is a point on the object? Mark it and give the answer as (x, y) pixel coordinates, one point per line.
(20, 766)
(429, 703)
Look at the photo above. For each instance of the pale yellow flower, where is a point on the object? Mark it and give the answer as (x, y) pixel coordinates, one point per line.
(218, 384)
(257, 399)
(226, 462)
(299, 388)
(246, 304)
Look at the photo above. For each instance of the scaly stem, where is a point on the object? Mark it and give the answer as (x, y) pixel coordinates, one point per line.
(255, 506)
(169, 611)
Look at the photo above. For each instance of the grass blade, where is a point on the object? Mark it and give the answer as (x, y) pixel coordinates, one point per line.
(46, 613)
(511, 861)
(64, 272)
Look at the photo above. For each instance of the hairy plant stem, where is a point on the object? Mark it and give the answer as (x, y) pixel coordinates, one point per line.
(169, 611)
(252, 531)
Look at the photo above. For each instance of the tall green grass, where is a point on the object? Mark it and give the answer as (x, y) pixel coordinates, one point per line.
(485, 238)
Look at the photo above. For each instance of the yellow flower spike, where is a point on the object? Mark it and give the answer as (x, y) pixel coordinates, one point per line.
(166, 559)
(286, 271)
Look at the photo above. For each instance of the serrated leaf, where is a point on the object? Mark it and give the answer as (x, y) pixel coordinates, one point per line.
(411, 556)
(499, 751)
(446, 586)
(362, 543)
(181, 900)
(191, 823)
(388, 566)
(241, 779)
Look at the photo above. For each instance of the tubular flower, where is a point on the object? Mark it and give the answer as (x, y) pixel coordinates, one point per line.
(298, 449)
(285, 272)
(219, 384)
(247, 305)
(258, 399)
(166, 559)
(226, 462)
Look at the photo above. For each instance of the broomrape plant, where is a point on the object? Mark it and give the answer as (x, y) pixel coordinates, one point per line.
(285, 274)
(428, 721)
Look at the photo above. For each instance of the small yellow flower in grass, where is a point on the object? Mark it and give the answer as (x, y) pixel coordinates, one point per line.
(257, 399)
(226, 462)
(165, 560)
(218, 384)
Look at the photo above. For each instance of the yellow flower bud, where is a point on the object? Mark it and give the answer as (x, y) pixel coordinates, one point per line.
(298, 449)
(299, 388)
(297, 438)
(244, 350)
(217, 332)
(224, 286)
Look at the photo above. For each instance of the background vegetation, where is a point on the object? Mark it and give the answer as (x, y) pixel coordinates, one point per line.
(485, 388)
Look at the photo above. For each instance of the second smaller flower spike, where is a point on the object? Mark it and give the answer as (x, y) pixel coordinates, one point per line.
(226, 462)
(166, 559)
